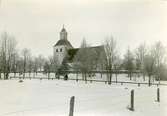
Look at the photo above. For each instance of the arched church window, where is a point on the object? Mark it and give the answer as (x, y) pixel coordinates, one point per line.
(56, 50)
(61, 50)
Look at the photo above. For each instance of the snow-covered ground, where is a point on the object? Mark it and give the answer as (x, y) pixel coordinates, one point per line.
(51, 98)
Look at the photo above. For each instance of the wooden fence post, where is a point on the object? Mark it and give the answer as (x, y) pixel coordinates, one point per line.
(158, 95)
(132, 101)
(72, 100)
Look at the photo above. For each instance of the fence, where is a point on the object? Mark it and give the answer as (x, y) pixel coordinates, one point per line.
(92, 80)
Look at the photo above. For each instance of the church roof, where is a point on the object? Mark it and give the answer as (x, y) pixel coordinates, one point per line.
(72, 52)
(63, 42)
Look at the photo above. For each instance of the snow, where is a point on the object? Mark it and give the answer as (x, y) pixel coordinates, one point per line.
(51, 98)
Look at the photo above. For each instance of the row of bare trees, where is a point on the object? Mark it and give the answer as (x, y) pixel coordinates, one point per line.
(147, 60)
(151, 61)
(7, 51)
(22, 62)
(144, 60)
(14, 61)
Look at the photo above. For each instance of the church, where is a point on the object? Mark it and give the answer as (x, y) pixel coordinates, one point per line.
(64, 51)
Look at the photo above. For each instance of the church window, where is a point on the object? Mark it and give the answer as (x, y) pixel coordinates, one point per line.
(56, 50)
(61, 50)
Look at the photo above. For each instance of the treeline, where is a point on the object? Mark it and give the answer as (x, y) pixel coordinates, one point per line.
(147, 60)
(15, 61)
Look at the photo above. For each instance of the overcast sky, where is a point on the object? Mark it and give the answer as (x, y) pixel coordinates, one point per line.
(36, 23)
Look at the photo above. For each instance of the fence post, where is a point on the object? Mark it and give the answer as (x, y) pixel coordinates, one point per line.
(158, 95)
(72, 100)
(132, 101)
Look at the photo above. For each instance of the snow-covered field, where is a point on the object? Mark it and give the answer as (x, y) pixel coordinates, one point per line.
(51, 98)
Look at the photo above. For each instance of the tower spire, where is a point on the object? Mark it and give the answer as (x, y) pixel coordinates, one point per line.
(63, 33)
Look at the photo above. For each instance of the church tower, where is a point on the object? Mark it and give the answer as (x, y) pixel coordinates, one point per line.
(61, 47)
(63, 34)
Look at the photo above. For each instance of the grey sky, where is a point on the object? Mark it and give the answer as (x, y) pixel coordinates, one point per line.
(36, 23)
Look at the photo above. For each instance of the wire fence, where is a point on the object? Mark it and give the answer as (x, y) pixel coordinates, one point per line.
(92, 80)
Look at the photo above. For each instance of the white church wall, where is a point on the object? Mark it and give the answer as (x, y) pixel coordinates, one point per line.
(59, 53)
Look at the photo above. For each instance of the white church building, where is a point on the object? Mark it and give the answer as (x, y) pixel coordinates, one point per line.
(64, 51)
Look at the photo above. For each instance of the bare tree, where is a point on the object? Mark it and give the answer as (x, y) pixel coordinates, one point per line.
(92, 61)
(159, 52)
(26, 56)
(48, 66)
(163, 71)
(14, 64)
(41, 60)
(7, 48)
(141, 52)
(35, 66)
(117, 65)
(102, 61)
(76, 67)
(30, 65)
(20, 65)
(149, 62)
(129, 63)
(82, 59)
(110, 47)
(55, 66)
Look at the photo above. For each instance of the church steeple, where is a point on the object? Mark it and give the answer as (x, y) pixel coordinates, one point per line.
(63, 33)
(63, 25)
